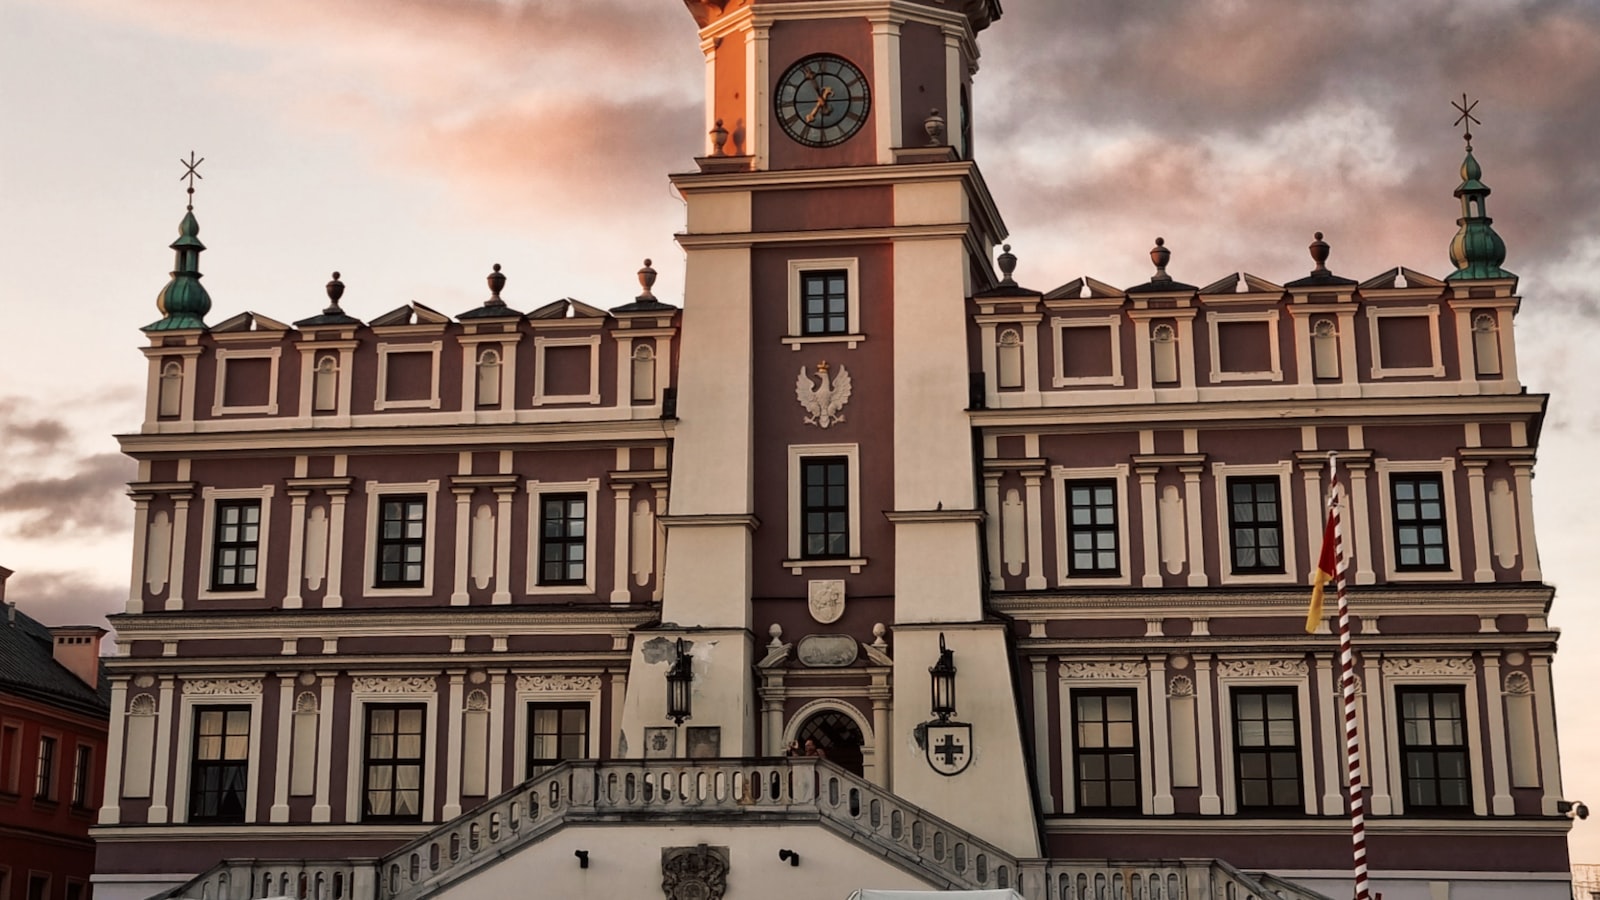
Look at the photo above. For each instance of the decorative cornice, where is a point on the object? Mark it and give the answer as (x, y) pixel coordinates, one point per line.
(1459, 665)
(202, 687)
(1119, 669)
(1261, 668)
(395, 684)
(538, 684)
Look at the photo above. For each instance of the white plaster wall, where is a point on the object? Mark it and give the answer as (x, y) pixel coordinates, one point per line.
(625, 861)
(134, 887)
(711, 468)
(720, 694)
(1444, 887)
(929, 203)
(937, 576)
(719, 212)
(932, 435)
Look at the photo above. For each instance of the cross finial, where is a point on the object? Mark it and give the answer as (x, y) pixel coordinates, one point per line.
(1466, 116)
(190, 165)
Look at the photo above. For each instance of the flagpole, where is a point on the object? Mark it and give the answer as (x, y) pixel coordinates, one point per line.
(1347, 682)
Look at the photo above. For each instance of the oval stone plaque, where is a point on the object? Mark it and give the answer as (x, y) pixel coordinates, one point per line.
(827, 651)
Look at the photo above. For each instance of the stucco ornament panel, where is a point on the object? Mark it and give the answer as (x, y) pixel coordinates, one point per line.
(1518, 683)
(203, 687)
(1123, 669)
(553, 683)
(1460, 665)
(1180, 686)
(824, 401)
(694, 873)
(826, 600)
(1261, 668)
(396, 684)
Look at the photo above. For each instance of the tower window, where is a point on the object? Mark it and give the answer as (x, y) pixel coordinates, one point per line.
(1255, 525)
(825, 300)
(235, 555)
(825, 510)
(402, 541)
(563, 538)
(1420, 536)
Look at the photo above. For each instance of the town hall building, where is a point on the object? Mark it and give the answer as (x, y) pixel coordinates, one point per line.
(868, 567)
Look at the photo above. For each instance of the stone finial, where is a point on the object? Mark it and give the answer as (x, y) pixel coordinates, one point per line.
(497, 283)
(934, 125)
(878, 631)
(1319, 254)
(647, 280)
(776, 632)
(335, 289)
(1160, 256)
(1008, 264)
(719, 139)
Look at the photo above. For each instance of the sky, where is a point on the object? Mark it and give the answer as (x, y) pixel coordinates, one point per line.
(411, 144)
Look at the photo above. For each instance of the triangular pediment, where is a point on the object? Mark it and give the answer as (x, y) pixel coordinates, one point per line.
(556, 310)
(1400, 277)
(247, 322)
(1242, 283)
(1084, 288)
(412, 313)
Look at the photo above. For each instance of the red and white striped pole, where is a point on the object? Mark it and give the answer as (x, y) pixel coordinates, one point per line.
(1347, 681)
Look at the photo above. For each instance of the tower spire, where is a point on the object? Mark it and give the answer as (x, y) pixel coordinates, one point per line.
(184, 302)
(1476, 250)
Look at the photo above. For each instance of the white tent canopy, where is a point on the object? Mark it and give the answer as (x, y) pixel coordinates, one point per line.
(928, 895)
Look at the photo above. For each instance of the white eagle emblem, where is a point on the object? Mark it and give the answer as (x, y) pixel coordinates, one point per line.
(823, 402)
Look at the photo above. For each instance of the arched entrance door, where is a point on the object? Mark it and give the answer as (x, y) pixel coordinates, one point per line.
(838, 736)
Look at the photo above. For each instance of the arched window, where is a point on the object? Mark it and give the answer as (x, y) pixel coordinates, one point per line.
(1010, 352)
(171, 391)
(325, 385)
(1164, 354)
(489, 377)
(836, 735)
(1324, 349)
(1486, 343)
(644, 373)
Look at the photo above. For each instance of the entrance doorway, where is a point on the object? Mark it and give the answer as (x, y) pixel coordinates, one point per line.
(838, 736)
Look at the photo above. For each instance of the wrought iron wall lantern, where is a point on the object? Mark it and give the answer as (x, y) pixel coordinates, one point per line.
(942, 677)
(679, 679)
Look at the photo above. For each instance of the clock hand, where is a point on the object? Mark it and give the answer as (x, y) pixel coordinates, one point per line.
(822, 104)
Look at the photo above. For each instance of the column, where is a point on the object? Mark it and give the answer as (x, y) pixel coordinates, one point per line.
(1197, 545)
(624, 529)
(755, 94)
(141, 534)
(497, 730)
(1500, 803)
(1361, 521)
(886, 86)
(1482, 550)
(452, 764)
(1544, 709)
(460, 597)
(1523, 470)
(333, 598)
(1210, 803)
(176, 582)
(661, 542)
(1152, 534)
(1334, 765)
(954, 134)
(1160, 743)
(1376, 735)
(619, 694)
(158, 789)
(991, 528)
(111, 802)
(502, 544)
(280, 786)
(1041, 735)
(297, 547)
(320, 810)
(772, 719)
(1036, 579)
(880, 738)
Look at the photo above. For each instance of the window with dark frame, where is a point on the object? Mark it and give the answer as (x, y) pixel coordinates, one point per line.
(236, 545)
(10, 759)
(1105, 747)
(1266, 749)
(1255, 525)
(402, 540)
(38, 887)
(220, 773)
(825, 507)
(44, 783)
(563, 538)
(1092, 529)
(393, 761)
(1433, 749)
(825, 302)
(1420, 542)
(557, 732)
(82, 775)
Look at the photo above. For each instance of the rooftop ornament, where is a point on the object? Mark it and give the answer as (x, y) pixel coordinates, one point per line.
(184, 302)
(1476, 250)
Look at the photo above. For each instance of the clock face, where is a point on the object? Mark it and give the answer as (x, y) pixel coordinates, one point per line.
(822, 100)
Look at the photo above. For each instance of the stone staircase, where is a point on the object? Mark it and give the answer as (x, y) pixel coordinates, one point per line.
(677, 792)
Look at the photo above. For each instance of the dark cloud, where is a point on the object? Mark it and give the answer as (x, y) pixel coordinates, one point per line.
(86, 501)
(64, 598)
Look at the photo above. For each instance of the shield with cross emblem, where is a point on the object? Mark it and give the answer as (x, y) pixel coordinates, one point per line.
(949, 747)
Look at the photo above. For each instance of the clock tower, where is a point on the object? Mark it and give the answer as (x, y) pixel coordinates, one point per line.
(824, 529)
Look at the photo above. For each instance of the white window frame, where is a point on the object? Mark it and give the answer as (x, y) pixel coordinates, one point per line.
(852, 274)
(1445, 468)
(541, 344)
(1374, 313)
(1269, 316)
(798, 453)
(185, 750)
(1392, 682)
(385, 349)
(1288, 520)
(536, 488)
(224, 355)
(209, 497)
(376, 491)
(1058, 327)
(1060, 475)
(558, 695)
(357, 774)
(1140, 684)
(1226, 736)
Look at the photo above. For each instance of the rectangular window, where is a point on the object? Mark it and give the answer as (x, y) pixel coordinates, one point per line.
(237, 543)
(1092, 529)
(1105, 743)
(557, 732)
(1433, 749)
(1419, 522)
(402, 540)
(1255, 523)
(1266, 749)
(393, 762)
(44, 781)
(825, 507)
(82, 775)
(563, 536)
(825, 301)
(74, 890)
(218, 780)
(38, 887)
(10, 759)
